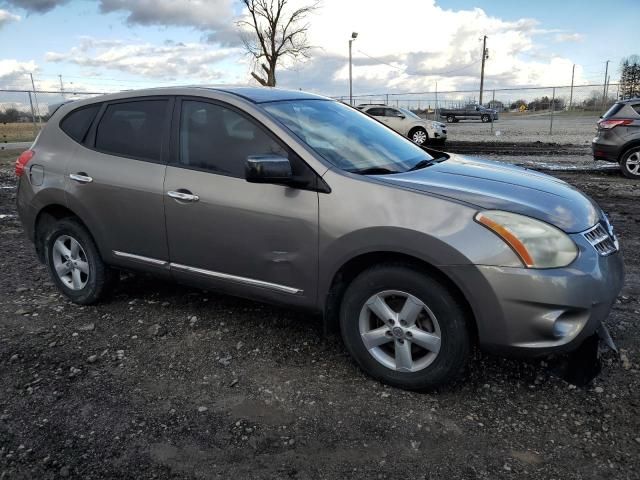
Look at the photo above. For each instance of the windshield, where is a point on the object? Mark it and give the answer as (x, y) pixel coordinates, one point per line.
(409, 113)
(347, 138)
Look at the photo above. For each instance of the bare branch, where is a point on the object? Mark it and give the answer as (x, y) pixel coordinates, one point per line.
(276, 33)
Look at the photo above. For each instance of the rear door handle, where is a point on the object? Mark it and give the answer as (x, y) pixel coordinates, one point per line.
(184, 196)
(81, 177)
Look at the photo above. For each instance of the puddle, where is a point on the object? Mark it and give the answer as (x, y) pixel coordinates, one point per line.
(6, 216)
(7, 187)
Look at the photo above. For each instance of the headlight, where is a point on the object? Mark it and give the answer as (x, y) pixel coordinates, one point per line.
(538, 244)
(435, 125)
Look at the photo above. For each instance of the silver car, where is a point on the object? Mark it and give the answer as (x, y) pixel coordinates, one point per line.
(407, 123)
(293, 198)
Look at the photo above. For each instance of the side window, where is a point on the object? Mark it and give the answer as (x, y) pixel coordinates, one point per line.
(133, 129)
(376, 112)
(219, 139)
(636, 107)
(77, 123)
(391, 112)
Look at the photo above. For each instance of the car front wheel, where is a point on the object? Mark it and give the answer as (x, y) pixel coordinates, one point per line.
(485, 118)
(419, 136)
(404, 328)
(451, 119)
(630, 163)
(75, 264)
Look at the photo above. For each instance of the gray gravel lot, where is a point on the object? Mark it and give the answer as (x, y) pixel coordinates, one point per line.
(164, 381)
(573, 129)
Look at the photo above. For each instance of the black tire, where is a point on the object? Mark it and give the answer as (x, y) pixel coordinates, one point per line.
(100, 279)
(419, 136)
(451, 119)
(485, 118)
(455, 341)
(629, 163)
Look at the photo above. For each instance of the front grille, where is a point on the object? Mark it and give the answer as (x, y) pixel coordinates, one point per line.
(604, 241)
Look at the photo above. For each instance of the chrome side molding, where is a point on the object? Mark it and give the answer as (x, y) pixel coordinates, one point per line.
(234, 278)
(210, 273)
(140, 258)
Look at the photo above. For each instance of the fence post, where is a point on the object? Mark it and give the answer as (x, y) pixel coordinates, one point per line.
(33, 115)
(553, 102)
(493, 105)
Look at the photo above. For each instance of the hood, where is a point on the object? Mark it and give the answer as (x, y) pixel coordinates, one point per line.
(499, 186)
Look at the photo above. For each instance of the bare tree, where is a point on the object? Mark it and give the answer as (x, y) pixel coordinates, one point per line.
(273, 32)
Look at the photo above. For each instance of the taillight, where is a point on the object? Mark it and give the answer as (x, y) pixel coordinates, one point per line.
(609, 124)
(22, 161)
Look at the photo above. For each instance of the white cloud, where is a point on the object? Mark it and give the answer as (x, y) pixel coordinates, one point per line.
(178, 62)
(7, 17)
(568, 37)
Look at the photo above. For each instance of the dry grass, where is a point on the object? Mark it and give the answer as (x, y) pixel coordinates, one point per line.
(16, 132)
(8, 157)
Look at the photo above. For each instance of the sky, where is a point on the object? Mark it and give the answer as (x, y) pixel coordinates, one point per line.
(402, 46)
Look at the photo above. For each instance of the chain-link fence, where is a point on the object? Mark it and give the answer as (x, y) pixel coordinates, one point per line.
(566, 113)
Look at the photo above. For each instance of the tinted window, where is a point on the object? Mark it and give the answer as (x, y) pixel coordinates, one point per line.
(392, 113)
(218, 139)
(133, 129)
(636, 107)
(77, 123)
(376, 112)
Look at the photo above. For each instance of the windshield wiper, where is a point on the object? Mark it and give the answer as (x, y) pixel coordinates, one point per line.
(422, 164)
(374, 171)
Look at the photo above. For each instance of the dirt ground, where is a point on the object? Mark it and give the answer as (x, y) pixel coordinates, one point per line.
(164, 381)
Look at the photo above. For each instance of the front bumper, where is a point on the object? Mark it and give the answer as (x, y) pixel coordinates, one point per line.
(535, 312)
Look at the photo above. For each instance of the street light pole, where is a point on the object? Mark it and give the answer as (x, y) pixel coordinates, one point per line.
(354, 35)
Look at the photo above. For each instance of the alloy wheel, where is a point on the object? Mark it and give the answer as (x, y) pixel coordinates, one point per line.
(70, 262)
(633, 163)
(419, 137)
(399, 331)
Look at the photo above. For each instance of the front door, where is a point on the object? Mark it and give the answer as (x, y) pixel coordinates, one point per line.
(257, 240)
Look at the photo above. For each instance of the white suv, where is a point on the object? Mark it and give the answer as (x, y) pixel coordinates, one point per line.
(407, 123)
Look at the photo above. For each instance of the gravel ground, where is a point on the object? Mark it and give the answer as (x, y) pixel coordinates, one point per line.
(574, 129)
(164, 381)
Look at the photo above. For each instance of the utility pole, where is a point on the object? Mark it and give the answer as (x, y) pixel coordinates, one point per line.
(354, 35)
(61, 86)
(484, 57)
(604, 89)
(35, 97)
(573, 71)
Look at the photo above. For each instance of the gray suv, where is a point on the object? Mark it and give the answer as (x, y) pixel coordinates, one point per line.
(618, 137)
(293, 198)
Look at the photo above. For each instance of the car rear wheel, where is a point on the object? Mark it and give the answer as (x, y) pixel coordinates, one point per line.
(630, 163)
(75, 264)
(419, 136)
(451, 119)
(485, 118)
(404, 328)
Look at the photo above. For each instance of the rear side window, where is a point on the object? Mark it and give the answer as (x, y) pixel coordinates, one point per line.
(133, 129)
(636, 107)
(77, 123)
(376, 112)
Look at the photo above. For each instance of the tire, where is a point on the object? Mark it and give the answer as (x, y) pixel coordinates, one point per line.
(419, 136)
(630, 163)
(485, 118)
(74, 263)
(451, 119)
(395, 354)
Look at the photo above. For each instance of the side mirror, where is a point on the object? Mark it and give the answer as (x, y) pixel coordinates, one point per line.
(401, 117)
(268, 169)
(477, 109)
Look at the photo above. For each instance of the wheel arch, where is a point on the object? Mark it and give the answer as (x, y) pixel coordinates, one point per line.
(47, 216)
(628, 146)
(350, 269)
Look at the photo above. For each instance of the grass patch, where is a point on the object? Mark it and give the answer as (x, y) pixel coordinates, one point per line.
(17, 132)
(8, 157)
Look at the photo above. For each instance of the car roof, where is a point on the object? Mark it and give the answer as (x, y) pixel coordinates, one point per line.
(630, 100)
(268, 94)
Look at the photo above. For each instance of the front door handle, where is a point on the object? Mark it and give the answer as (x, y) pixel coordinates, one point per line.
(184, 196)
(81, 177)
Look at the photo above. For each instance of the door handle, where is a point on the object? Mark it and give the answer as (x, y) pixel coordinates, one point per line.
(183, 196)
(81, 177)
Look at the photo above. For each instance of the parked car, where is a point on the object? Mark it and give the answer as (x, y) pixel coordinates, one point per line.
(469, 112)
(293, 198)
(407, 123)
(618, 137)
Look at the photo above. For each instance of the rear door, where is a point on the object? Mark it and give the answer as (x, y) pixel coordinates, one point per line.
(115, 181)
(396, 120)
(249, 239)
